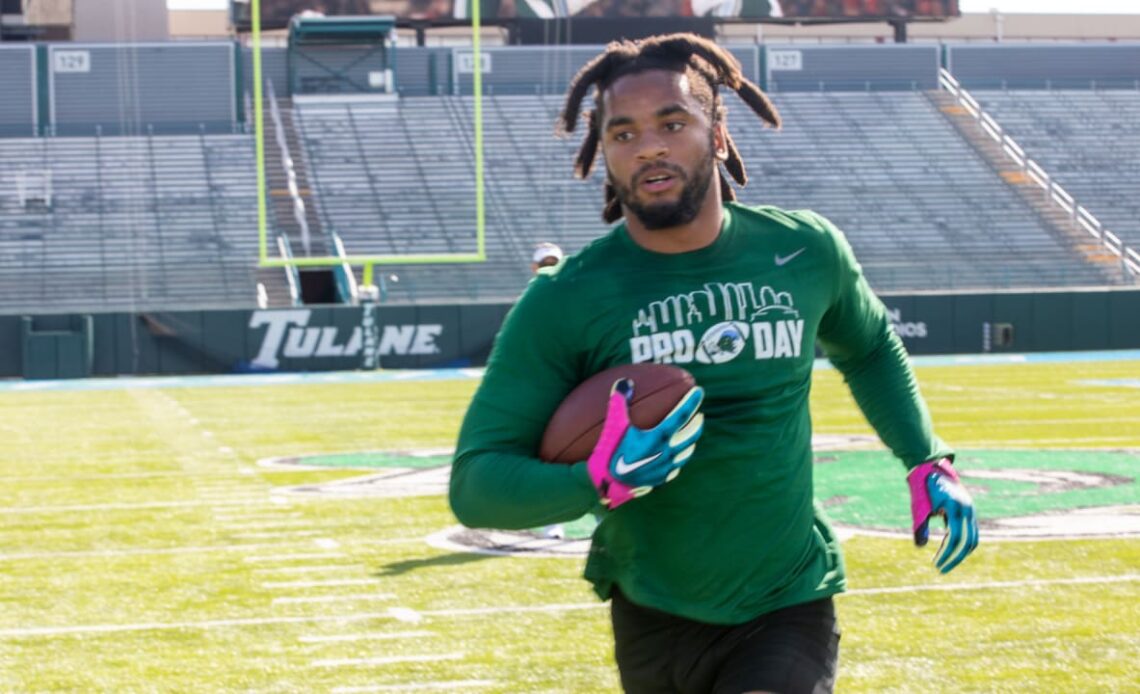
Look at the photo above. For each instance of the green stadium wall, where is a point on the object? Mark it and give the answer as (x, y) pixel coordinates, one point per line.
(410, 337)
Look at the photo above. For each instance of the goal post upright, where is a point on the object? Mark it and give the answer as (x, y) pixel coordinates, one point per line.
(258, 132)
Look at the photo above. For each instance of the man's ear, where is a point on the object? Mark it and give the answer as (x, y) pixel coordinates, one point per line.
(720, 142)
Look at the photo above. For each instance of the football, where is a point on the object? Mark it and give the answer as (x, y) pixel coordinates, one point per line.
(575, 426)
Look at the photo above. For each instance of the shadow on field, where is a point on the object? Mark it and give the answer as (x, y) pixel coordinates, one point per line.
(402, 567)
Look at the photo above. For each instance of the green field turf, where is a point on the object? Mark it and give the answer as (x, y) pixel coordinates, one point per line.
(143, 548)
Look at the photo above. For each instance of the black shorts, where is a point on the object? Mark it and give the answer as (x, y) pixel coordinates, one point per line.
(789, 651)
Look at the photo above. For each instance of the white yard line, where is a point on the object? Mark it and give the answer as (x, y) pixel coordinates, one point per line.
(366, 636)
(321, 584)
(1089, 419)
(332, 598)
(996, 585)
(391, 541)
(478, 611)
(450, 686)
(257, 501)
(270, 524)
(391, 613)
(115, 475)
(142, 551)
(1078, 443)
(178, 626)
(279, 534)
(255, 514)
(266, 515)
(405, 614)
(232, 494)
(307, 569)
(291, 557)
(322, 543)
(384, 660)
(18, 510)
(242, 498)
(239, 515)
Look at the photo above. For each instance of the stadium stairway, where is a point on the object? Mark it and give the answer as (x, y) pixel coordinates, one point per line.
(1059, 222)
(282, 217)
(273, 282)
(278, 184)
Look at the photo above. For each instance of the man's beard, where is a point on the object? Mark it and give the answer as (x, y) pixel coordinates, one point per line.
(666, 215)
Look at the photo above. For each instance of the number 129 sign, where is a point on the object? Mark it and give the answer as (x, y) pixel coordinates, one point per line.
(71, 61)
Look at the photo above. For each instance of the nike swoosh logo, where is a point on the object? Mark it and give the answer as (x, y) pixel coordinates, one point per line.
(782, 260)
(623, 468)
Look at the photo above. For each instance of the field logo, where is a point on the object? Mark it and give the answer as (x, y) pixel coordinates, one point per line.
(1019, 494)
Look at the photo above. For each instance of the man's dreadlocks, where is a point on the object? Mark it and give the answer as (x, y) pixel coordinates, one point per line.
(685, 53)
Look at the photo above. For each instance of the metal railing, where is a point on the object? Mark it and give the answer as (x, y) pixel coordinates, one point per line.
(290, 174)
(346, 287)
(217, 214)
(1081, 218)
(292, 275)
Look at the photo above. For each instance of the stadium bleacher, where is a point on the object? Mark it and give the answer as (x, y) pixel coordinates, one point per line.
(163, 221)
(1088, 139)
(921, 207)
(133, 223)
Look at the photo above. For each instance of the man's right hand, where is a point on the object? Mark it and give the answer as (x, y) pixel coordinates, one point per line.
(628, 462)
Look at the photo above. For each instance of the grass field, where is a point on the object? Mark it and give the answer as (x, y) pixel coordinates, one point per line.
(143, 548)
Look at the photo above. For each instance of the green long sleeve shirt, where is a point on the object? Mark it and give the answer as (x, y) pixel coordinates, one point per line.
(737, 534)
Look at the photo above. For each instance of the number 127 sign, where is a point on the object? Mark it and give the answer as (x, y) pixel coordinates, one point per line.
(785, 60)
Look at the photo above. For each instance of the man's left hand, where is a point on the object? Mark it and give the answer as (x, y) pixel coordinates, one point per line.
(936, 490)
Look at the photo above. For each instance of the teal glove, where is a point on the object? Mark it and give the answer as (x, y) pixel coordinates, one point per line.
(629, 462)
(936, 490)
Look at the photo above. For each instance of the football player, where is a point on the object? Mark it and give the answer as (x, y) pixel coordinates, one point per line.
(722, 576)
